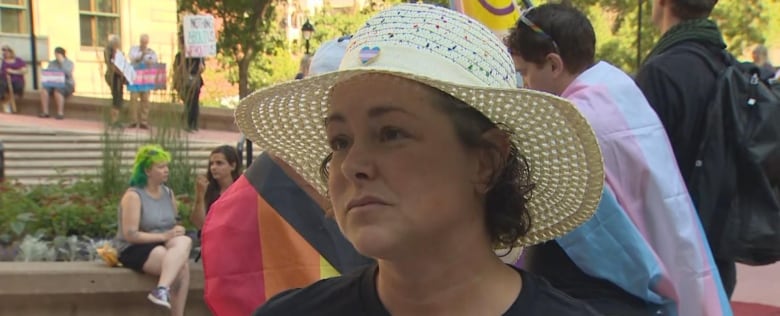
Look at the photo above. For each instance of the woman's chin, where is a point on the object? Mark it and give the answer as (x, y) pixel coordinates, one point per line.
(375, 242)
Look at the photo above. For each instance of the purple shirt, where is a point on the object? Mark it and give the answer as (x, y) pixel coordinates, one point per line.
(17, 64)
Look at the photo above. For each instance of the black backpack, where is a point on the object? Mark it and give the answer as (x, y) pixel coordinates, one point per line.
(736, 179)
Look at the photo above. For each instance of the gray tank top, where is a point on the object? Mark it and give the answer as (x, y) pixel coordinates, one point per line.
(157, 215)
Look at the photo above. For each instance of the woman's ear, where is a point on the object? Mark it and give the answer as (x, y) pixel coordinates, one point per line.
(492, 159)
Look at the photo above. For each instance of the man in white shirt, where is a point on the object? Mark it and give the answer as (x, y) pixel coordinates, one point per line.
(141, 54)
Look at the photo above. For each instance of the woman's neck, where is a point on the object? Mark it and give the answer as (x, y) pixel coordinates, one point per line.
(224, 183)
(456, 279)
(153, 188)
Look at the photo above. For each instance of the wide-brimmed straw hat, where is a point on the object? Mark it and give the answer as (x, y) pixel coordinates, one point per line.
(451, 52)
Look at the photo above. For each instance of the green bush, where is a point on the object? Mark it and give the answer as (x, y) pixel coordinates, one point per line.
(61, 221)
(62, 209)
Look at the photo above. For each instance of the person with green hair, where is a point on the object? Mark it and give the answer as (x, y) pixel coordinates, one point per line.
(148, 238)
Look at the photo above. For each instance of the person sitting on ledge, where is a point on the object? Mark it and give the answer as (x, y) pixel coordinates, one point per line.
(63, 64)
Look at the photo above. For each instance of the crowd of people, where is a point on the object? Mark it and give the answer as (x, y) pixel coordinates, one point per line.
(409, 162)
(186, 75)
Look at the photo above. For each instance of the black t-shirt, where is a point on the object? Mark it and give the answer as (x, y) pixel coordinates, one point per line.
(356, 294)
(550, 261)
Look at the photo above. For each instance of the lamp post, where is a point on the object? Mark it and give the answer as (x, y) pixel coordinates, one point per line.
(307, 30)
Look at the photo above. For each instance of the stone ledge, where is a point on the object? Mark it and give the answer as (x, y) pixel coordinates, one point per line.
(85, 289)
(93, 109)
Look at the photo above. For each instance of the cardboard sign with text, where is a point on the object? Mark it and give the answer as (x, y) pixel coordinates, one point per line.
(200, 38)
(121, 63)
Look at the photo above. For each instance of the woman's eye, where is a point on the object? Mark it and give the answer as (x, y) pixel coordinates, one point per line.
(339, 143)
(391, 133)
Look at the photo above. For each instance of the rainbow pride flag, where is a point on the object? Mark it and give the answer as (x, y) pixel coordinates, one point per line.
(265, 235)
(497, 15)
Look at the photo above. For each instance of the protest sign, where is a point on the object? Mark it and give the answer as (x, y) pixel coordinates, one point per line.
(124, 66)
(52, 79)
(148, 78)
(200, 38)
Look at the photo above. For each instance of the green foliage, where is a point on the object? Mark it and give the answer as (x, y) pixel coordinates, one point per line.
(271, 69)
(247, 31)
(329, 24)
(61, 209)
(743, 23)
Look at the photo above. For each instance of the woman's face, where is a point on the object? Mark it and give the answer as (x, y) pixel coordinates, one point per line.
(157, 173)
(7, 53)
(400, 181)
(219, 166)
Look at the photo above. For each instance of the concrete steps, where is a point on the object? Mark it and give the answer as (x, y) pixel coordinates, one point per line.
(37, 155)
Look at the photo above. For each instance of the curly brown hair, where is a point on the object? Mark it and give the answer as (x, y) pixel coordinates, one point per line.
(506, 202)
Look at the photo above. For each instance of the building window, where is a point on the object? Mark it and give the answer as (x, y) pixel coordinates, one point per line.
(13, 16)
(98, 19)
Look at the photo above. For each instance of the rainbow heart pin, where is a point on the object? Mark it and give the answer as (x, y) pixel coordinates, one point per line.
(368, 54)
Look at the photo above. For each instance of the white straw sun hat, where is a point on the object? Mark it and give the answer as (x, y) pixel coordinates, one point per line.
(457, 55)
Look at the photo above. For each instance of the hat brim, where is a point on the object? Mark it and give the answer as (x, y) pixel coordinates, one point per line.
(556, 140)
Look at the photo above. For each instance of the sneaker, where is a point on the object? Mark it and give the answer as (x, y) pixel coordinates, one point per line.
(160, 296)
(143, 126)
(134, 125)
(43, 115)
(59, 116)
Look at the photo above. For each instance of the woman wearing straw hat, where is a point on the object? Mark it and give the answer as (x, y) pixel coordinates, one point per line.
(431, 159)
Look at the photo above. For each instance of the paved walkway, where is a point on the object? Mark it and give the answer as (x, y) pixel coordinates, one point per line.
(69, 124)
(758, 285)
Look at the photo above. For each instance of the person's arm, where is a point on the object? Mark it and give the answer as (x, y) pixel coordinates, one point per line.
(131, 218)
(20, 67)
(152, 56)
(136, 54)
(198, 215)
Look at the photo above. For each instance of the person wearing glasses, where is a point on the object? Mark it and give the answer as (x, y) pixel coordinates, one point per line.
(644, 252)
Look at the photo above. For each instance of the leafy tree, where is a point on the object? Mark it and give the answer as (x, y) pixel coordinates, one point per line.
(247, 31)
(743, 23)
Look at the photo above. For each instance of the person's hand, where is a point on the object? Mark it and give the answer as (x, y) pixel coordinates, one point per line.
(200, 185)
(176, 231)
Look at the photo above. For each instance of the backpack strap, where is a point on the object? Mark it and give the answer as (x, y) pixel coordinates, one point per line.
(708, 56)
